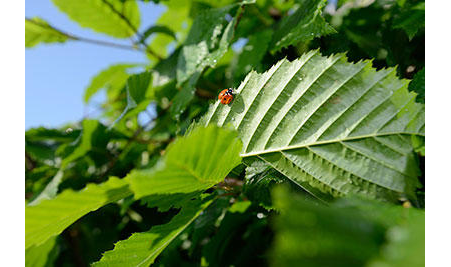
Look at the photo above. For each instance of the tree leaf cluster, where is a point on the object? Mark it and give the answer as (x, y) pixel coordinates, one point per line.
(317, 161)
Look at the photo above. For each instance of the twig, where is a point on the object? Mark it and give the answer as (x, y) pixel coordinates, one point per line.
(87, 40)
(133, 28)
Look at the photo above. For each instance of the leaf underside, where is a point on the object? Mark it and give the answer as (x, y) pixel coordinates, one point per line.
(329, 124)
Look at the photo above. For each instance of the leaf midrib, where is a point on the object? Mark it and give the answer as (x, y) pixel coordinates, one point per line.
(297, 146)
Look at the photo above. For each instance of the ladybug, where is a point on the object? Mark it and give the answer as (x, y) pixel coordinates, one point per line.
(226, 96)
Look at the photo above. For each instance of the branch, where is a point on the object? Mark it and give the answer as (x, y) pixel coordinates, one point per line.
(87, 40)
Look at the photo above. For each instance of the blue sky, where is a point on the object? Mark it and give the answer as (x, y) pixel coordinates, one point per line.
(57, 74)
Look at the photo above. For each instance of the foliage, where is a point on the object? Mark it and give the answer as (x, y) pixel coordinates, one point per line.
(318, 160)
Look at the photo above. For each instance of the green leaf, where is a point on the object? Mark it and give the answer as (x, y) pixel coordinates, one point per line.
(252, 53)
(112, 78)
(141, 249)
(175, 18)
(348, 233)
(418, 85)
(184, 96)
(157, 29)
(91, 129)
(164, 72)
(192, 163)
(48, 135)
(50, 190)
(38, 31)
(405, 246)
(411, 20)
(418, 143)
(116, 18)
(260, 178)
(41, 256)
(207, 41)
(165, 202)
(303, 25)
(51, 217)
(137, 94)
(339, 127)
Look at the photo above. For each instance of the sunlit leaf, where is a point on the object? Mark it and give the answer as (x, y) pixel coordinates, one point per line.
(117, 18)
(38, 31)
(329, 124)
(303, 25)
(196, 162)
(41, 256)
(51, 217)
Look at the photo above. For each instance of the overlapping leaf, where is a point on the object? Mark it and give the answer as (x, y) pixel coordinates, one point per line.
(177, 19)
(117, 18)
(38, 30)
(141, 249)
(192, 163)
(207, 41)
(138, 94)
(418, 85)
(329, 124)
(303, 25)
(91, 132)
(51, 217)
(411, 20)
(112, 78)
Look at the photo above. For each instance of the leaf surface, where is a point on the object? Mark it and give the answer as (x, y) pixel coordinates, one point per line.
(207, 41)
(141, 249)
(192, 163)
(38, 31)
(137, 89)
(411, 20)
(51, 217)
(303, 25)
(116, 18)
(112, 78)
(329, 124)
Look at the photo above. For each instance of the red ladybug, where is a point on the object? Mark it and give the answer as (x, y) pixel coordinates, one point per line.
(226, 96)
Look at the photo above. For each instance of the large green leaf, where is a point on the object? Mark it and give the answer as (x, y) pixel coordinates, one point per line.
(329, 124)
(196, 162)
(113, 17)
(38, 30)
(303, 25)
(51, 217)
(141, 249)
